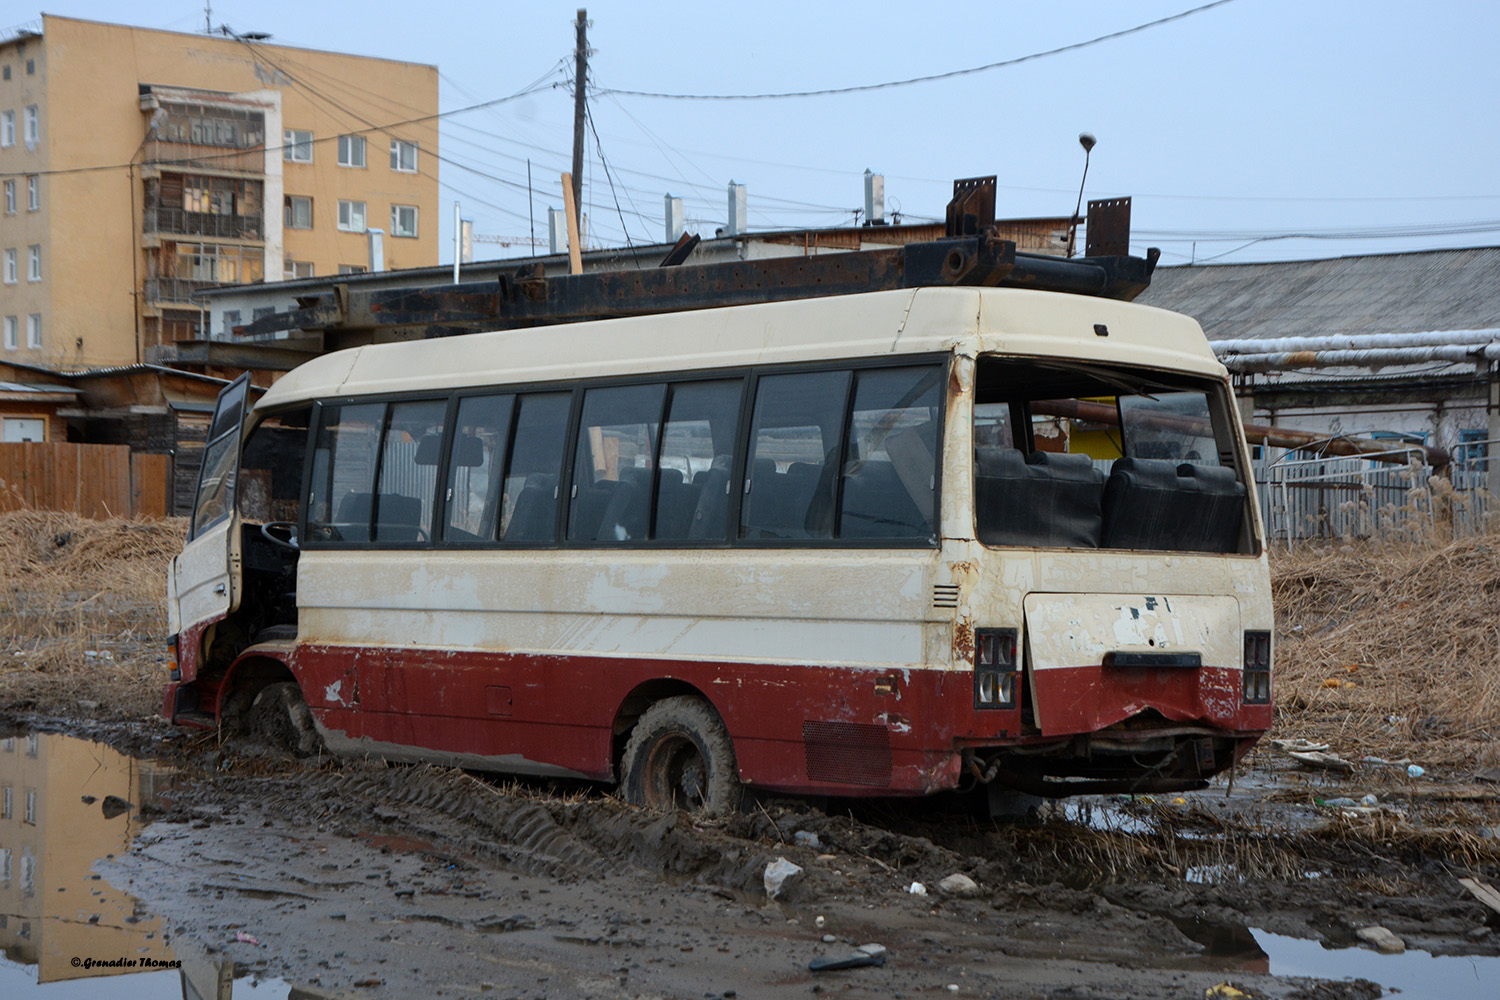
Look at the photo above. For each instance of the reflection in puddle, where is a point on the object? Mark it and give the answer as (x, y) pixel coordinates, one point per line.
(65, 803)
(1415, 973)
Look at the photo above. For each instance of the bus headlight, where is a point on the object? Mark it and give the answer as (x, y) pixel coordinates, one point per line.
(1257, 668)
(995, 668)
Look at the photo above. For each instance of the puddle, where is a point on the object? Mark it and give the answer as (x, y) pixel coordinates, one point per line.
(1111, 815)
(65, 931)
(1416, 974)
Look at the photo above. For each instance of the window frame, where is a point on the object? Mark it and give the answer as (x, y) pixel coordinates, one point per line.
(33, 193)
(12, 266)
(34, 262)
(364, 216)
(10, 197)
(34, 331)
(725, 539)
(31, 132)
(293, 145)
(401, 233)
(399, 147)
(12, 327)
(7, 129)
(289, 211)
(347, 145)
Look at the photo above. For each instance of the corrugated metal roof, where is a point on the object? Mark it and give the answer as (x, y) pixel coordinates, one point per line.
(1385, 293)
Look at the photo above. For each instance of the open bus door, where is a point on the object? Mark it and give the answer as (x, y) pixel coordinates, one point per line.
(204, 582)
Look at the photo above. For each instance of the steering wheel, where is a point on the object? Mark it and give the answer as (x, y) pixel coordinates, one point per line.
(282, 534)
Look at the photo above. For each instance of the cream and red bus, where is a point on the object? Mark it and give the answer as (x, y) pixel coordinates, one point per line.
(889, 542)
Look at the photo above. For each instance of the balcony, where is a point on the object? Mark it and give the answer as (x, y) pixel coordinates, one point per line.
(165, 155)
(179, 222)
(174, 290)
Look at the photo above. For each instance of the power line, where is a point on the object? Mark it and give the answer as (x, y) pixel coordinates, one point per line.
(923, 79)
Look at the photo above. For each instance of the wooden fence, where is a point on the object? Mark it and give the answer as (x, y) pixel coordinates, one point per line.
(92, 480)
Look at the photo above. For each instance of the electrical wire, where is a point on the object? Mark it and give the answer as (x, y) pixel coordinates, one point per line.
(862, 88)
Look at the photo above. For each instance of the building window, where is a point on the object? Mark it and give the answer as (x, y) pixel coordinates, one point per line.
(7, 128)
(7, 802)
(298, 212)
(12, 339)
(404, 156)
(10, 197)
(291, 269)
(7, 72)
(29, 815)
(352, 216)
(31, 67)
(403, 220)
(231, 320)
(351, 151)
(352, 269)
(34, 263)
(296, 145)
(10, 267)
(34, 331)
(34, 128)
(33, 193)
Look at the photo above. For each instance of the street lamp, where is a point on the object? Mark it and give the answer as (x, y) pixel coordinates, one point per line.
(1087, 141)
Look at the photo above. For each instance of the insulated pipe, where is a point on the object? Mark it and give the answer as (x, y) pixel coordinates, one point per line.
(1355, 342)
(1375, 358)
(1278, 437)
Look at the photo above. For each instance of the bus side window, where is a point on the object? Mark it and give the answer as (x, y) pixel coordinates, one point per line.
(697, 446)
(342, 495)
(890, 461)
(612, 472)
(408, 471)
(478, 455)
(794, 451)
(529, 512)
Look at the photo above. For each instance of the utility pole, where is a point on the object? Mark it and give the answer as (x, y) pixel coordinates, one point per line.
(580, 77)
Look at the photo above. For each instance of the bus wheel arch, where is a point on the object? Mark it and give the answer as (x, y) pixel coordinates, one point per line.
(263, 702)
(680, 755)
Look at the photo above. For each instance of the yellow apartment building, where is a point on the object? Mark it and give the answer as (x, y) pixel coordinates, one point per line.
(139, 166)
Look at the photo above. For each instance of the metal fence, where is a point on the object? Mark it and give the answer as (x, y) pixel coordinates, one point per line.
(1337, 497)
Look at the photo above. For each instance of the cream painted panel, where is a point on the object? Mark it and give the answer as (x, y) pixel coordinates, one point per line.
(1074, 630)
(200, 578)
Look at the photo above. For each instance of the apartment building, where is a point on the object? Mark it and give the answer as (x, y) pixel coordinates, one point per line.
(139, 166)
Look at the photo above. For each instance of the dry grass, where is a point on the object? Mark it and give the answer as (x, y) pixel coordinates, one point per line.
(84, 605)
(1392, 648)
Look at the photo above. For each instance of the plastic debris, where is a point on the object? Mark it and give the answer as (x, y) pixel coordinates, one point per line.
(1384, 941)
(819, 921)
(244, 938)
(777, 873)
(853, 960)
(959, 885)
(872, 949)
(806, 838)
(1415, 770)
(1224, 991)
(917, 889)
(1370, 800)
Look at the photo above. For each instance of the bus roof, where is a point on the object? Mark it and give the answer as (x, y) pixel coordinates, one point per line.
(976, 320)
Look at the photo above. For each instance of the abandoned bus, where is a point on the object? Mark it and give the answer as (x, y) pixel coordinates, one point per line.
(891, 542)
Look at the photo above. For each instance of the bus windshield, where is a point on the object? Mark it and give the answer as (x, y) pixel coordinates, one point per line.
(1089, 456)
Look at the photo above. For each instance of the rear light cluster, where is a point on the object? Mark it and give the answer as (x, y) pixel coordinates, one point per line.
(1257, 668)
(995, 668)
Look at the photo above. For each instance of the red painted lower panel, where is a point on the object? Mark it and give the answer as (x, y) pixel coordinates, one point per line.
(801, 729)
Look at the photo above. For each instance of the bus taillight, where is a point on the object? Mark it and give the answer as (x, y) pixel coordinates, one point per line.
(1257, 668)
(995, 668)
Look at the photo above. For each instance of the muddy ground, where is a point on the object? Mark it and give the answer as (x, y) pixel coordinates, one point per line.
(358, 878)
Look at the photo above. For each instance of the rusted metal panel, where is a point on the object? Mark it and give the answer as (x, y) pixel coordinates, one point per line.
(1108, 227)
(972, 209)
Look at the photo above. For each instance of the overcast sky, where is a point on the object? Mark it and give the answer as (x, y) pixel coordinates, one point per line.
(1232, 125)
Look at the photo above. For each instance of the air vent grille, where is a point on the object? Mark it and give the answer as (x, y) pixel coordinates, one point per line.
(945, 595)
(847, 753)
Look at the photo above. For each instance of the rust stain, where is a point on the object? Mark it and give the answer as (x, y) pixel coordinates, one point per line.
(963, 641)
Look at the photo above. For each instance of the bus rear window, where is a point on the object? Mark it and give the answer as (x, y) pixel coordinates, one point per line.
(1085, 456)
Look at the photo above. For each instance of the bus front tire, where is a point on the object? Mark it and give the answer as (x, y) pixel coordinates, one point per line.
(679, 756)
(279, 716)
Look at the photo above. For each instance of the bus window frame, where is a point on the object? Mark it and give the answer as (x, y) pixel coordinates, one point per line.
(749, 377)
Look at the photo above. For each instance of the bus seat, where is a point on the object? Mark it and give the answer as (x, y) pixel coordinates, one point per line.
(1159, 504)
(712, 508)
(626, 514)
(532, 519)
(1041, 499)
(675, 503)
(398, 518)
(353, 516)
(877, 505)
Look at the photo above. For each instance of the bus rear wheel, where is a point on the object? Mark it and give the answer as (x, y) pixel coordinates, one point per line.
(679, 756)
(279, 717)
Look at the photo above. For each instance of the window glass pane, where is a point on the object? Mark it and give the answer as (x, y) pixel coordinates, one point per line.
(794, 443)
(1169, 425)
(270, 477)
(216, 483)
(615, 457)
(474, 496)
(342, 501)
(408, 471)
(890, 458)
(697, 446)
(534, 463)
